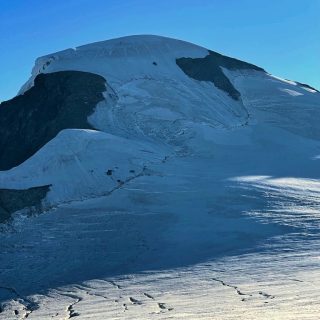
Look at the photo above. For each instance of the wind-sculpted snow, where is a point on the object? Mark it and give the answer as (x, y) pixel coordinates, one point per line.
(180, 240)
(178, 202)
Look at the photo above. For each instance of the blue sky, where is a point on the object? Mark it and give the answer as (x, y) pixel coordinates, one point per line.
(282, 36)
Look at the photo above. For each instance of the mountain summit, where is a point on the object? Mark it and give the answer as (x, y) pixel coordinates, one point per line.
(166, 94)
(147, 153)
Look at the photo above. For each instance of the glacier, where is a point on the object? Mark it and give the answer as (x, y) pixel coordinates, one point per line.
(188, 194)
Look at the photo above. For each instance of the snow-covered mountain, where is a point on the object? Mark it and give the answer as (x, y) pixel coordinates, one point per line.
(146, 153)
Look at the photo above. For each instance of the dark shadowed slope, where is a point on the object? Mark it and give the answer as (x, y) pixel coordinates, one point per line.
(14, 200)
(209, 69)
(57, 101)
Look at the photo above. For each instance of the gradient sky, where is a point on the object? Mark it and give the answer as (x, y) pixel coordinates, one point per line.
(282, 36)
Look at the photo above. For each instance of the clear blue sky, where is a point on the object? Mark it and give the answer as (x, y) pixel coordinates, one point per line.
(282, 36)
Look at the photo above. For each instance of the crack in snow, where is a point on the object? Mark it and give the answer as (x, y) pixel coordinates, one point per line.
(28, 305)
(238, 291)
(70, 308)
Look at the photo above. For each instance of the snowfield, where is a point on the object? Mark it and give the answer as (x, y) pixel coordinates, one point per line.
(181, 202)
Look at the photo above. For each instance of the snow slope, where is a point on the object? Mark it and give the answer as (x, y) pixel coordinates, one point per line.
(180, 202)
(76, 164)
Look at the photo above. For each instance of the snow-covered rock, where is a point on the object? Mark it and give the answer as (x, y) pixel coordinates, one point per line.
(191, 190)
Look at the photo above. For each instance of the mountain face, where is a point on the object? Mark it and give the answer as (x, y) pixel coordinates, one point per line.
(148, 153)
(142, 88)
